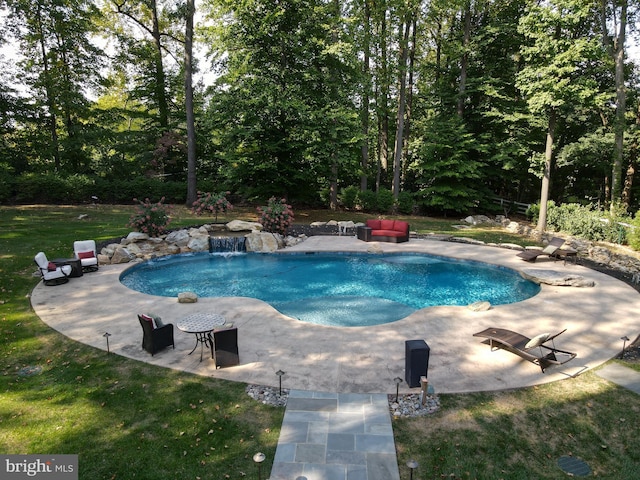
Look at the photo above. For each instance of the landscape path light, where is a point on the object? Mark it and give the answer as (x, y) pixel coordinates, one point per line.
(258, 458)
(107, 335)
(398, 381)
(412, 464)
(280, 373)
(624, 339)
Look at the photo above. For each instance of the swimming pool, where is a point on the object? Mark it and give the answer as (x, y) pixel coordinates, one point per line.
(333, 288)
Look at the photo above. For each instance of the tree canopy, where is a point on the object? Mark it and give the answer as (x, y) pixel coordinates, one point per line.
(445, 104)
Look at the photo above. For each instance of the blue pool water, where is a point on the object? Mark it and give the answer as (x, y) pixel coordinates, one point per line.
(333, 288)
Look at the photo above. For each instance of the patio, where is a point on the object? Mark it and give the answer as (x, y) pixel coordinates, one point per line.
(360, 359)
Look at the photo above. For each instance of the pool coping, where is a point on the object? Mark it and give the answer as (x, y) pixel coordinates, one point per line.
(361, 359)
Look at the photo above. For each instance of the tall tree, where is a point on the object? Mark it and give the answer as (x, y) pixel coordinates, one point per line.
(615, 13)
(560, 42)
(145, 15)
(285, 97)
(188, 95)
(404, 33)
(60, 65)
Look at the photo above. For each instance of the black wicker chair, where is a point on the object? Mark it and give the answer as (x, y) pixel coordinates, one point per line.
(155, 339)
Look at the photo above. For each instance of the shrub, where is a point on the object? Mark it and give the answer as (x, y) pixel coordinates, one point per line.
(150, 218)
(211, 203)
(7, 183)
(633, 236)
(405, 203)
(367, 200)
(276, 217)
(384, 200)
(586, 222)
(348, 197)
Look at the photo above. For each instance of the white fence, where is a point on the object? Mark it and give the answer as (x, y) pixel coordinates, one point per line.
(510, 206)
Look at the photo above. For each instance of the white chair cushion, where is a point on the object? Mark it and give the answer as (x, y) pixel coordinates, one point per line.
(59, 272)
(537, 341)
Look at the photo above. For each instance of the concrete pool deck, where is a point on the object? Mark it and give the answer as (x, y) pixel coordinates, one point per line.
(361, 359)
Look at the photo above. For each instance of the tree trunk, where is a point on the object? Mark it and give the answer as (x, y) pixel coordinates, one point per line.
(402, 99)
(383, 105)
(464, 63)
(163, 107)
(631, 170)
(546, 179)
(617, 52)
(188, 95)
(407, 125)
(366, 70)
(53, 130)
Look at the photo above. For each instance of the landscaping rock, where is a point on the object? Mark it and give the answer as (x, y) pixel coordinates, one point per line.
(179, 238)
(121, 255)
(135, 237)
(262, 242)
(241, 225)
(199, 244)
(479, 306)
(554, 277)
(187, 297)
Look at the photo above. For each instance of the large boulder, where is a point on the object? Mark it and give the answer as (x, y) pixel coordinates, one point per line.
(135, 237)
(178, 237)
(241, 226)
(199, 243)
(121, 255)
(261, 242)
(554, 277)
(196, 232)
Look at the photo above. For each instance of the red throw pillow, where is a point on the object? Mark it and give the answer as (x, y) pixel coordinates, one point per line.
(373, 224)
(147, 318)
(400, 226)
(52, 267)
(90, 254)
(386, 225)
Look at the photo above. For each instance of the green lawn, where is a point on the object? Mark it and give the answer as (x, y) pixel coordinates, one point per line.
(127, 419)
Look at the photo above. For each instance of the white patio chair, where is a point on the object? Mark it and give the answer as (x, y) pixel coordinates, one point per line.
(85, 250)
(51, 273)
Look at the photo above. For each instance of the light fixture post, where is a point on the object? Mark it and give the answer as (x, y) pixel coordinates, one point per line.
(398, 381)
(280, 373)
(107, 335)
(258, 458)
(412, 464)
(624, 339)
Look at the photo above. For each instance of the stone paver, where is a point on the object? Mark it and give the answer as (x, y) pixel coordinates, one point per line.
(336, 436)
(619, 374)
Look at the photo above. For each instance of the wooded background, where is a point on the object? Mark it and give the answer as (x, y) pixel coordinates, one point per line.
(445, 104)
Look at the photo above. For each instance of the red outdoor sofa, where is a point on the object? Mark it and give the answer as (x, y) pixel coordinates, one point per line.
(395, 231)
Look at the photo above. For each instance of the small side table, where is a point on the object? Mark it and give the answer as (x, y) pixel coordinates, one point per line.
(201, 325)
(74, 263)
(364, 233)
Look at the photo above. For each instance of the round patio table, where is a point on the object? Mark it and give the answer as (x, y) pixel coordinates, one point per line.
(201, 325)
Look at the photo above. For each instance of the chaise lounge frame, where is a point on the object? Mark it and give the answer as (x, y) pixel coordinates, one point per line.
(524, 347)
(550, 250)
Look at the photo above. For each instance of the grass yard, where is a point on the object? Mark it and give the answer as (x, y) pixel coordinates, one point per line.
(127, 419)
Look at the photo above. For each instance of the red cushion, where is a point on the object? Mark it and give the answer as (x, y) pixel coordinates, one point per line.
(386, 225)
(90, 254)
(373, 224)
(386, 233)
(52, 267)
(400, 226)
(147, 318)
